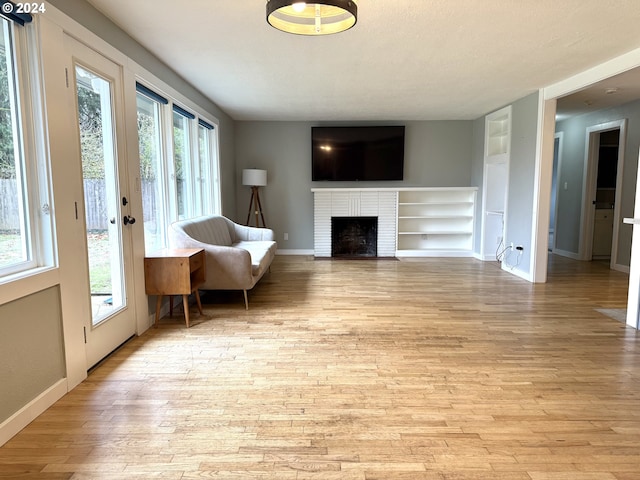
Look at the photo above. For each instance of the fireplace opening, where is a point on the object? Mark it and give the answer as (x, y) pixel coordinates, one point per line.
(354, 237)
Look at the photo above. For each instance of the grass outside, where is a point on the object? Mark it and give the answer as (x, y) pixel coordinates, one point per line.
(10, 249)
(100, 271)
(99, 264)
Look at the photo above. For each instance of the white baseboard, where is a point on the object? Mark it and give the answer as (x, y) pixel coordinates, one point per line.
(281, 251)
(517, 272)
(564, 253)
(27, 414)
(621, 268)
(435, 253)
(491, 257)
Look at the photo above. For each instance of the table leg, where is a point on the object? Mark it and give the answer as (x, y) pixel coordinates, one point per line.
(158, 307)
(185, 303)
(198, 301)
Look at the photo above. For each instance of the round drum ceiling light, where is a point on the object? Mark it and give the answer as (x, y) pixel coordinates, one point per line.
(322, 17)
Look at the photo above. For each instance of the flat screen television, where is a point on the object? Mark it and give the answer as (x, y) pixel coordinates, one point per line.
(357, 153)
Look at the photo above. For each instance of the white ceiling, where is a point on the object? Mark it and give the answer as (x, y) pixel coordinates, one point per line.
(404, 59)
(613, 91)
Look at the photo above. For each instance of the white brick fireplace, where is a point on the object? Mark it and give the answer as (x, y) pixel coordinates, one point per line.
(355, 202)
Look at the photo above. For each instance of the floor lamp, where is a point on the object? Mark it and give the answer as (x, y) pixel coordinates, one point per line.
(255, 179)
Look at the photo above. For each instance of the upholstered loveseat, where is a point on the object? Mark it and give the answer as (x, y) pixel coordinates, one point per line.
(236, 256)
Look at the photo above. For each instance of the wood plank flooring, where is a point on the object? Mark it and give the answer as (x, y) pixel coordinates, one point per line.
(436, 369)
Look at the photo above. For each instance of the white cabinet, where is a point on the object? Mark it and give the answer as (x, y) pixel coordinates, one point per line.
(602, 233)
(436, 222)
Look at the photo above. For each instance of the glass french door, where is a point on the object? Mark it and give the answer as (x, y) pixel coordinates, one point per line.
(97, 95)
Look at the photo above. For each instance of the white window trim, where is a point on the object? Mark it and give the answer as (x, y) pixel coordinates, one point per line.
(32, 133)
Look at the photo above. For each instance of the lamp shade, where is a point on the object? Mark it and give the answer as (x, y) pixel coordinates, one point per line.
(319, 17)
(254, 177)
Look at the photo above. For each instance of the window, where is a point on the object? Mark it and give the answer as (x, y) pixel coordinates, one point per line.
(205, 201)
(177, 182)
(152, 171)
(25, 226)
(182, 171)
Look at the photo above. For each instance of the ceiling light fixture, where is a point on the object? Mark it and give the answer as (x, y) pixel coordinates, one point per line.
(322, 17)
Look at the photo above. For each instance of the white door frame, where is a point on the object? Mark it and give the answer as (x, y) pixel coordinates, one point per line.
(544, 161)
(558, 168)
(589, 187)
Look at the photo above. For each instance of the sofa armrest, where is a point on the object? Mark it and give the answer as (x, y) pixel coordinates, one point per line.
(247, 234)
(227, 267)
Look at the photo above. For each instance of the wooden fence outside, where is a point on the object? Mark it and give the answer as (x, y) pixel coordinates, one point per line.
(94, 197)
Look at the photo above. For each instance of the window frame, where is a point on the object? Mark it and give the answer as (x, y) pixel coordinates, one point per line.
(206, 185)
(160, 107)
(186, 164)
(31, 133)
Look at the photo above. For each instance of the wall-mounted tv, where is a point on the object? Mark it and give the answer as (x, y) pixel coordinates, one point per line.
(357, 153)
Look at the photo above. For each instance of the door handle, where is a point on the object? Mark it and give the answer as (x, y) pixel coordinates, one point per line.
(128, 220)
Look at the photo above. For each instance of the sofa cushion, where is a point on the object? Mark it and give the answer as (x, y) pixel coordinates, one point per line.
(262, 253)
(213, 231)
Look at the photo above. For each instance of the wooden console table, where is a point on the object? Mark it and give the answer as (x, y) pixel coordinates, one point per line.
(175, 272)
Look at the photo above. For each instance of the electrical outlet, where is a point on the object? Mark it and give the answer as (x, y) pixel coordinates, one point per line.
(286, 236)
(520, 248)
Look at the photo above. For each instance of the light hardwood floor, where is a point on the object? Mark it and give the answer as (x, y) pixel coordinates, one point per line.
(444, 369)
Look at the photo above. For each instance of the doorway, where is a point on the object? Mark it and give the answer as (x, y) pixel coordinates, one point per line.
(95, 88)
(601, 210)
(602, 243)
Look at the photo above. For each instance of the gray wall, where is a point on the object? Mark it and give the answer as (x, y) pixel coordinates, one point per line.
(437, 154)
(519, 220)
(573, 170)
(31, 349)
(85, 14)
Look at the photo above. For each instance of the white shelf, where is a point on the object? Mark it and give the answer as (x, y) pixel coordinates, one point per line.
(436, 222)
(498, 133)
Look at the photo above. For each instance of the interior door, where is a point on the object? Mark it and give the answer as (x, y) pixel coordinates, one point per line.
(96, 86)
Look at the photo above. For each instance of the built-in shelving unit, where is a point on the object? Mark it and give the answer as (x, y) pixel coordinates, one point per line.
(495, 182)
(412, 221)
(436, 221)
(498, 134)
